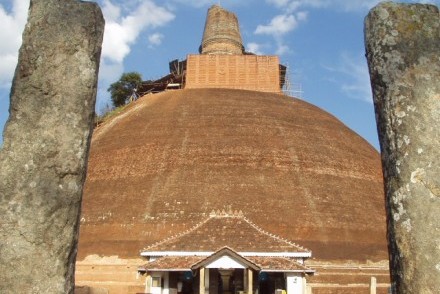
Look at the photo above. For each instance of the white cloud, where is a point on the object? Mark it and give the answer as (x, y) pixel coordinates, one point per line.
(293, 12)
(255, 48)
(195, 3)
(279, 3)
(302, 15)
(155, 39)
(125, 22)
(109, 71)
(354, 72)
(355, 4)
(202, 3)
(282, 49)
(12, 23)
(279, 26)
(122, 31)
(110, 11)
(289, 6)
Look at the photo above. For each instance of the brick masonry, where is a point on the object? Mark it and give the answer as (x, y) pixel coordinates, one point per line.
(245, 72)
(222, 33)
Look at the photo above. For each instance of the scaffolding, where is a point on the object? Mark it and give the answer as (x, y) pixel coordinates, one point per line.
(249, 72)
(288, 87)
(173, 81)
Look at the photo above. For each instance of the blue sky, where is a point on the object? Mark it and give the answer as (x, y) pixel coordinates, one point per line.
(320, 40)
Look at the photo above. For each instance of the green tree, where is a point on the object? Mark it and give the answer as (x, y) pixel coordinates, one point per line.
(122, 90)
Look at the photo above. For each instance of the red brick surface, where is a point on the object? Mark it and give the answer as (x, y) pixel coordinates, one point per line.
(246, 72)
(222, 32)
(168, 160)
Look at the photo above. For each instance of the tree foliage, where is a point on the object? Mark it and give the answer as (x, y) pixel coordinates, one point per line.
(122, 90)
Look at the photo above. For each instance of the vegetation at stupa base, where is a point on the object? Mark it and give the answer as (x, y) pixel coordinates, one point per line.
(108, 113)
(122, 91)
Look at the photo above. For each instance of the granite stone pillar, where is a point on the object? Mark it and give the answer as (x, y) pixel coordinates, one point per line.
(403, 52)
(46, 143)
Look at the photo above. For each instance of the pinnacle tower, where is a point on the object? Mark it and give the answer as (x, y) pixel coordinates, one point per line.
(222, 33)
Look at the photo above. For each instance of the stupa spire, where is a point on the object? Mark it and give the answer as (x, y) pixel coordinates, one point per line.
(222, 33)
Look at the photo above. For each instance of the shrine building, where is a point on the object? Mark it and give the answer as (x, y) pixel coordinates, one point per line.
(226, 253)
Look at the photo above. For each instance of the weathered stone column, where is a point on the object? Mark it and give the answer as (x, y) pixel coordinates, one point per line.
(46, 142)
(403, 52)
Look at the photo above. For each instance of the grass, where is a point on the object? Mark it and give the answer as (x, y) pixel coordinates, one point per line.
(99, 119)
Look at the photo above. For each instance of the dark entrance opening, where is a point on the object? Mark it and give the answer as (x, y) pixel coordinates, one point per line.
(268, 283)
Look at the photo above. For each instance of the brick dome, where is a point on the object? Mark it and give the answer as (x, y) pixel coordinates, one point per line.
(168, 160)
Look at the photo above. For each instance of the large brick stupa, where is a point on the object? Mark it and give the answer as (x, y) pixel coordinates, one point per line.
(169, 159)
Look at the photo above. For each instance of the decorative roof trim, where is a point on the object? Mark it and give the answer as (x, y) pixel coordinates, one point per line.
(277, 254)
(226, 251)
(143, 270)
(178, 235)
(275, 236)
(223, 213)
(208, 253)
(175, 253)
(257, 265)
(308, 271)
